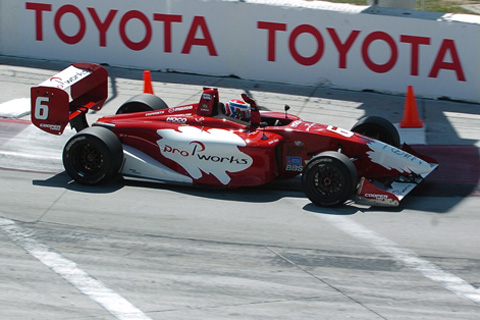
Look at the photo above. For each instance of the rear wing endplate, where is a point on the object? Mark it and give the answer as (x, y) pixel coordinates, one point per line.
(68, 96)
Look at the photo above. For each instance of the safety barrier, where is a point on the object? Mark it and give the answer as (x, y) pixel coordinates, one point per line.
(298, 42)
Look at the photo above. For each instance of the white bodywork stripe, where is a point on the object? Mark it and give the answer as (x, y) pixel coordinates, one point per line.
(139, 164)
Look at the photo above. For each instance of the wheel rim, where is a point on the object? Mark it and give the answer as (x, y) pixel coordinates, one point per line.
(87, 160)
(328, 181)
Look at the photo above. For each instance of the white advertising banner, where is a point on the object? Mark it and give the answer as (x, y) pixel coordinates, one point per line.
(314, 44)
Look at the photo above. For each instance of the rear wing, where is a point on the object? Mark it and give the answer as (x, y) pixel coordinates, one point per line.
(68, 96)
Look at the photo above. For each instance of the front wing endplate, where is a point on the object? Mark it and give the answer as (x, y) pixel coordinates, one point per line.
(372, 193)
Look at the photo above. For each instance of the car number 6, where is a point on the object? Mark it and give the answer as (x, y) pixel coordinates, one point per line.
(41, 108)
(340, 131)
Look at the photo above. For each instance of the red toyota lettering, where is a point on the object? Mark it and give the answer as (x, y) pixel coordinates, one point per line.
(199, 23)
(142, 44)
(415, 42)
(306, 61)
(343, 48)
(68, 8)
(387, 66)
(167, 19)
(440, 63)
(39, 8)
(102, 26)
(272, 28)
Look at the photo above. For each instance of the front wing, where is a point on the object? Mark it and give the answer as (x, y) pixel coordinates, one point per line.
(372, 192)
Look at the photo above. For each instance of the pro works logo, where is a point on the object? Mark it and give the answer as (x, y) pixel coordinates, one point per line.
(213, 152)
(197, 150)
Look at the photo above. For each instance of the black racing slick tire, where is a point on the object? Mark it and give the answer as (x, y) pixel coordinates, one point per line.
(329, 179)
(141, 103)
(93, 155)
(378, 128)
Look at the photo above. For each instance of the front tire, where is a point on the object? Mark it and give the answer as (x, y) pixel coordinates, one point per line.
(378, 128)
(329, 179)
(93, 156)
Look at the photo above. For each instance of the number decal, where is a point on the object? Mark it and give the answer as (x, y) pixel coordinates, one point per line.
(340, 131)
(41, 108)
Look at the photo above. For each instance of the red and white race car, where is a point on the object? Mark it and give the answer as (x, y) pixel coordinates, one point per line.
(231, 144)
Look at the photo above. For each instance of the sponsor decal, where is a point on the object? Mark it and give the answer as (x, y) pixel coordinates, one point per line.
(294, 164)
(172, 110)
(376, 196)
(402, 191)
(52, 127)
(343, 132)
(66, 78)
(295, 123)
(156, 113)
(213, 151)
(43, 13)
(341, 47)
(390, 158)
(446, 57)
(177, 120)
(309, 126)
(273, 141)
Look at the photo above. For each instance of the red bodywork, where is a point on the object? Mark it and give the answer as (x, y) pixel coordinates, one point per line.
(198, 144)
(276, 150)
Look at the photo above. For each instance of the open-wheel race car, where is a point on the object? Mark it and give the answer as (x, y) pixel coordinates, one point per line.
(231, 144)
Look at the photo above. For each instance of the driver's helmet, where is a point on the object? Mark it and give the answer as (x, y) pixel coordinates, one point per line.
(237, 109)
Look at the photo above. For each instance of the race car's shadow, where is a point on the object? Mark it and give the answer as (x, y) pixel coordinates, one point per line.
(269, 193)
(344, 210)
(351, 208)
(262, 194)
(62, 180)
(259, 194)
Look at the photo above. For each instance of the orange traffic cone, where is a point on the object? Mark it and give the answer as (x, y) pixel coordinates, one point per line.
(410, 114)
(147, 82)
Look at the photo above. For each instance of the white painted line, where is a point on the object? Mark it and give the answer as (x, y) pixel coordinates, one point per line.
(118, 306)
(429, 270)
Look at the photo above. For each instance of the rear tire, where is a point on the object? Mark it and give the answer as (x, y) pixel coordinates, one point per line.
(93, 156)
(142, 103)
(329, 179)
(378, 128)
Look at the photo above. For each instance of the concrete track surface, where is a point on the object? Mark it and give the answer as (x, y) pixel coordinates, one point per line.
(140, 250)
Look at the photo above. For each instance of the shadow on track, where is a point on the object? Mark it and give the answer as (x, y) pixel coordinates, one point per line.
(268, 193)
(262, 194)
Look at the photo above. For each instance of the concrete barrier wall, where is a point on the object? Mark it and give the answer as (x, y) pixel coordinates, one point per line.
(298, 42)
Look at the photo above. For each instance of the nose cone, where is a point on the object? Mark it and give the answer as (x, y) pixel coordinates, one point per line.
(395, 159)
